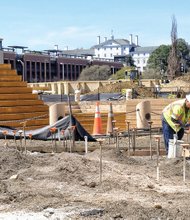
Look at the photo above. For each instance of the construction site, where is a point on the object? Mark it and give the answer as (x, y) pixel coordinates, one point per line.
(90, 159)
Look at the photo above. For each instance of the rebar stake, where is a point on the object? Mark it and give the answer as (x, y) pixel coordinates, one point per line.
(157, 137)
(14, 133)
(100, 142)
(63, 141)
(20, 134)
(128, 129)
(24, 134)
(5, 132)
(53, 138)
(86, 144)
(150, 128)
(133, 140)
(185, 153)
(116, 139)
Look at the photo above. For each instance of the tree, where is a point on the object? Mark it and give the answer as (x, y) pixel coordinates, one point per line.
(158, 58)
(182, 48)
(173, 59)
(183, 54)
(95, 72)
(129, 60)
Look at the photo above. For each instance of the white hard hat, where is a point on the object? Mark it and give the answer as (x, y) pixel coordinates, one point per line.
(188, 97)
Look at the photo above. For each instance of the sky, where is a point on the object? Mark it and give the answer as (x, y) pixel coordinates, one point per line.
(71, 24)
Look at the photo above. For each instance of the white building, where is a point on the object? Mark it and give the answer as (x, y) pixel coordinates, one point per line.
(110, 48)
(141, 56)
(114, 47)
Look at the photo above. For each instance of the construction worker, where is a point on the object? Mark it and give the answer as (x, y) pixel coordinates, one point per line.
(175, 118)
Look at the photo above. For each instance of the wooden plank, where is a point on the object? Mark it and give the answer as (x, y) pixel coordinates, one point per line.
(6, 117)
(10, 78)
(31, 123)
(13, 84)
(42, 88)
(15, 90)
(20, 97)
(5, 66)
(23, 109)
(8, 72)
(8, 103)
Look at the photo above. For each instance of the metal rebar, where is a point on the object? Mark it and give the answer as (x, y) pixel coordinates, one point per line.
(100, 142)
(150, 128)
(128, 126)
(134, 140)
(184, 165)
(157, 158)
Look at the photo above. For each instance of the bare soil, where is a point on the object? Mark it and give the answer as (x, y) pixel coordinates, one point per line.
(139, 91)
(65, 185)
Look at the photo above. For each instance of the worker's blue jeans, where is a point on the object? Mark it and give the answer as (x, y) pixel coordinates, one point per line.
(168, 133)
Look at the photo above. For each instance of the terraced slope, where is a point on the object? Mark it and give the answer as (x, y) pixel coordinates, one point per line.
(18, 104)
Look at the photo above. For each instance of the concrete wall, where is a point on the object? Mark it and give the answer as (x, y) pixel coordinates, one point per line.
(90, 106)
(69, 87)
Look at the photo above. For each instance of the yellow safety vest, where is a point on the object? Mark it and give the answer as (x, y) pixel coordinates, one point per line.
(176, 110)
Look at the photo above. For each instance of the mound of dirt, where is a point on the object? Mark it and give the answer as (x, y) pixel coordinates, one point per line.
(182, 81)
(139, 91)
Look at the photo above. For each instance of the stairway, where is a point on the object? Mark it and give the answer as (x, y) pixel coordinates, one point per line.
(18, 104)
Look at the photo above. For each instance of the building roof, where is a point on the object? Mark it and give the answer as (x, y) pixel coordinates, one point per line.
(144, 49)
(120, 42)
(79, 52)
(18, 47)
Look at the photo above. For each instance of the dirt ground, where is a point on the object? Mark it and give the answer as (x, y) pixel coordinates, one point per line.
(68, 185)
(139, 91)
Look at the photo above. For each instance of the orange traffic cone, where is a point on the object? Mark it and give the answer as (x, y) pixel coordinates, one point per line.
(97, 129)
(110, 120)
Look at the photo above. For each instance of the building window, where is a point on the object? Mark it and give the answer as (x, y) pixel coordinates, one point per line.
(111, 55)
(105, 55)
